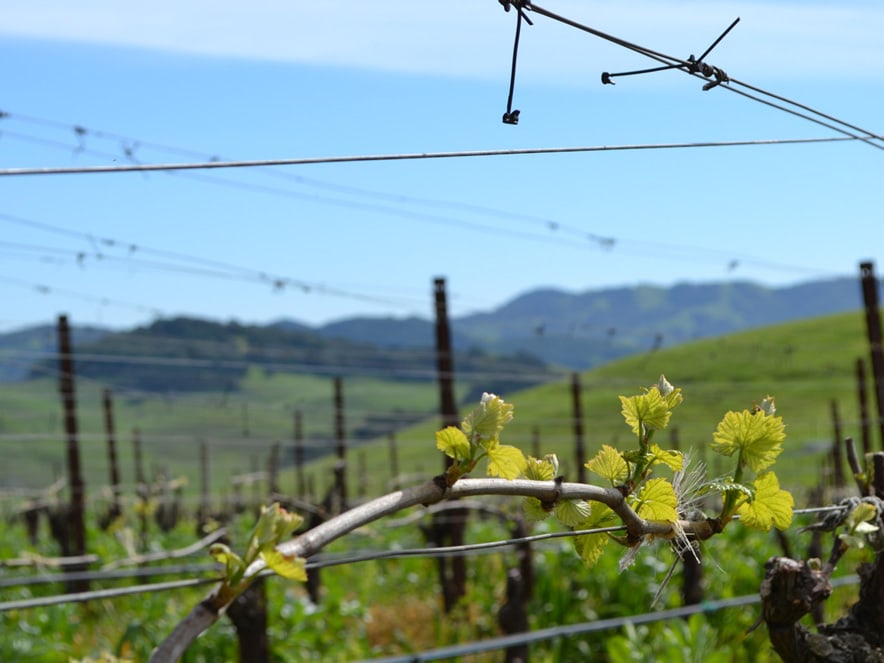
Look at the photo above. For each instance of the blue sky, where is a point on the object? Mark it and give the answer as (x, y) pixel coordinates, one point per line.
(169, 82)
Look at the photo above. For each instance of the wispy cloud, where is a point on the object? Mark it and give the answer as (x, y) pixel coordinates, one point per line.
(473, 38)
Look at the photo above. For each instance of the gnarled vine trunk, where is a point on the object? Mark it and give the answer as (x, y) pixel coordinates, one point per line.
(791, 589)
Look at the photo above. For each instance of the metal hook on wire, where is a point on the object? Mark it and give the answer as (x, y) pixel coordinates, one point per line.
(512, 116)
(693, 66)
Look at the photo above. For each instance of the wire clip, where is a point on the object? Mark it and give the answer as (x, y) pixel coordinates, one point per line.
(692, 65)
(512, 116)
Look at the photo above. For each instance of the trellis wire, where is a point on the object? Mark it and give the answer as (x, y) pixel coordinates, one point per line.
(551, 633)
(317, 562)
(96, 595)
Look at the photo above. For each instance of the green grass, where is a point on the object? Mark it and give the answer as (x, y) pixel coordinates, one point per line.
(32, 433)
(393, 607)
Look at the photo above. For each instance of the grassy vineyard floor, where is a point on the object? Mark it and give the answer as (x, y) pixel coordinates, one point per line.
(391, 607)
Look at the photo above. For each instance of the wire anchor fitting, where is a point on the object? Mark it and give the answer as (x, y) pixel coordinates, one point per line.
(692, 65)
(512, 116)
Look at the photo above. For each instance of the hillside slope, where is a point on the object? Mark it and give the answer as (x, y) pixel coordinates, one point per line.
(806, 365)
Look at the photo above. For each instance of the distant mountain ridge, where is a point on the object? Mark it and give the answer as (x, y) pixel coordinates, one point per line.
(582, 330)
(545, 326)
(32, 343)
(175, 355)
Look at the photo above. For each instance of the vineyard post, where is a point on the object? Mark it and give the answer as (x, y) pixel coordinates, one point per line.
(108, 405)
(837, 458)
(863, 397)
(137, 457)
(340, 444)
(204, 484)
(255, 481)
(273, 470)
(856, 468)
(873, 329)
(299, 455)
(535, 441)
(692, 573)
(451, 525)
(141, 491)
(878, 474)
(361, 475)
(75, 478)
(512, 617)
(394, 461)
(577, 410)
(674, 439)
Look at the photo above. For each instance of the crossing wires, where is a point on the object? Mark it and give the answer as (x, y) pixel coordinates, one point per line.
(714, 76)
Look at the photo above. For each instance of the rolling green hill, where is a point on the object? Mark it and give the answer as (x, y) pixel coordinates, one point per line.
(805, 365)
(239, 427)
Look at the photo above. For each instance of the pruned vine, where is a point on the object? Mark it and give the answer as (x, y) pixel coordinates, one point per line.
(653, 492)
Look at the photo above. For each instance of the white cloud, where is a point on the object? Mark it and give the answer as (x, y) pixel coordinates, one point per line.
(473, 38)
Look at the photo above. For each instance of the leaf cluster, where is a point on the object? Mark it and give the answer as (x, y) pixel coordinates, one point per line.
(751, 491)
(478, 438)
(274, 525)
(755, 437)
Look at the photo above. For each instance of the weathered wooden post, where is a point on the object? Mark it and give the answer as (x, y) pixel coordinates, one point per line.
(577, 414)
(299, 455)
(837, 457)
(76, 516)
(273, 470)
(863, 398)
(205, 508)
(513, 616)
(450, 526)
(873, 329)
(394, 461)
(141, 489)
(340, 469)
(108, 405)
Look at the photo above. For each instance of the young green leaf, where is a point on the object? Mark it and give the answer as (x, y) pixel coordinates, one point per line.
(772, 507)
(234, 566)
(591, 546)
(285, 522)
(657, 501)
(756, 435)
(862, 513)
(673, 459)
(857, 525)
(672, 395)
(453, 443)
(542, 469)
(573, 513)
(506, 461)
(647, 411)
(727, 486)
(534, 509)
(488, 419)
(288, 566)
(274, 524)
(609, 464)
